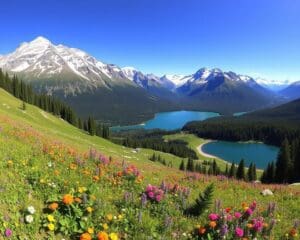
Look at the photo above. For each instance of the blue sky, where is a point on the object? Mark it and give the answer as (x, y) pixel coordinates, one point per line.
(255, 37)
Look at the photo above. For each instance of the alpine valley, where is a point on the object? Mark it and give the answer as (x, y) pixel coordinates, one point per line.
(125, 95)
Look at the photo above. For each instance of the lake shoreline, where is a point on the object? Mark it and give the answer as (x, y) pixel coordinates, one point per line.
(199, 148)
(168, 121)
(232, 152)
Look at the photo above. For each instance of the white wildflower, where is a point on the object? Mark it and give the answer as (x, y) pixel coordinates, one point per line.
(31, 209)
(29, 218)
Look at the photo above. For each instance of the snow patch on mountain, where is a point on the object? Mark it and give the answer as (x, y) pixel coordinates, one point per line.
(42, 59)
(129, 72)
(177, 79)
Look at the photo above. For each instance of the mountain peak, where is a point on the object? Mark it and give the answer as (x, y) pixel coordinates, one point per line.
(40, 40)
(129, 72)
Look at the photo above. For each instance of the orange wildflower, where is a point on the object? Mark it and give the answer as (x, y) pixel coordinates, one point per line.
(212, 224)
(249, 225)
(96, 178)
(53, 206)
(201, 230)
(102, 236)
(85, 236)
(68, 199)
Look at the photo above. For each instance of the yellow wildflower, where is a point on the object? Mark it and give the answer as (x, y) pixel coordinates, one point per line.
(105, 226)
(82, 189)
(113, 236)
(51, 226)
(50, 218)
(109, 217)
(89, 209)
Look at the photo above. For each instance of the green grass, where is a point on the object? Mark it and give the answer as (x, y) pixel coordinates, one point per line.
(31, 140)
(57, 128)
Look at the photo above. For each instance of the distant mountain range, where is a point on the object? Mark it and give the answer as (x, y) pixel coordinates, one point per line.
(292, 91)
(126, 95)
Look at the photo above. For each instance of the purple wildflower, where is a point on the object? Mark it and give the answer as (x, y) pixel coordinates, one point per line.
(8, 232)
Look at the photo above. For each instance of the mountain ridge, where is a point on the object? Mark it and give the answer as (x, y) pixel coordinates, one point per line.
(127, 95)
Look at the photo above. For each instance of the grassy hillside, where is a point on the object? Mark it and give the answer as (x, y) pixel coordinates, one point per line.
(57, 182)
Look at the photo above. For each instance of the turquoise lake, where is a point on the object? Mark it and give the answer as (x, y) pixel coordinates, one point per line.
(169, 120)
(258, 153)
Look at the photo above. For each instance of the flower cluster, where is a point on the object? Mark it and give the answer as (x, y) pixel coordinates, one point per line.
(30, 211)
(229, 224)
(293, 232)
(71, 213)
(102, 235)
(130, 173)
(154, 193)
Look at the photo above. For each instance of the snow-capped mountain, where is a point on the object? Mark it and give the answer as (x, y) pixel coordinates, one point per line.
(225, 91)
(109, 91)
(204, 76)
(77, 71)
(273, 85)
(176, 79)
(129, 72)
(42, 60)
(147, 81)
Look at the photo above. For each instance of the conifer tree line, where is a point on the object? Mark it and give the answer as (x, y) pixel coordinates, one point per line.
(50, 104)
(287, 167)
(211, 168)
(157, 158)
(229, 129)
(94, 128)
(155, 140)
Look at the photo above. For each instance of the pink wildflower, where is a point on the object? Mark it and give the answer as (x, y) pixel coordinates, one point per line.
(213, 217)
(239, 232)
(237, 214)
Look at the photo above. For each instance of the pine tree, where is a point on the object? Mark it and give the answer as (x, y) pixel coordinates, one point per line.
(240, 173)
(226, 173)
(232, 172)
(23, 106)
(203, 169)
(268, 175)
(254, 174)
(283, 167)
(105, 132)
(215, 168)
(297, 162)
(153, 157)
(271, 173)
(182, 165)
(210, 170)
(80, 125)
(202, 203)
(251, 173)
(91, 126)
(190, 165)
